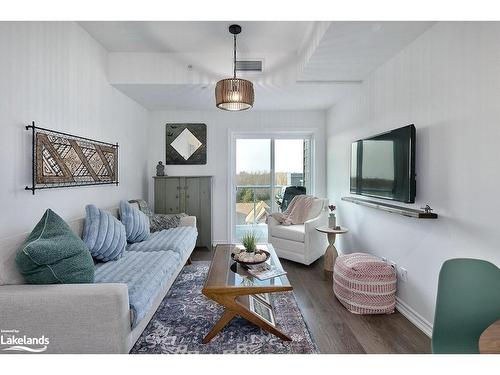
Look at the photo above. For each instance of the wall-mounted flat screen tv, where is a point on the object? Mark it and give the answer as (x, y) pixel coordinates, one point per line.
(383, 166)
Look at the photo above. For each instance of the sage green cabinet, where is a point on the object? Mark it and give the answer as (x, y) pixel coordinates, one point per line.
(190, 194)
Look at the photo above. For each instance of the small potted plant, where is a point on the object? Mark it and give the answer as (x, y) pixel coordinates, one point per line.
(250, 255)
(332, 220)
(249, 241)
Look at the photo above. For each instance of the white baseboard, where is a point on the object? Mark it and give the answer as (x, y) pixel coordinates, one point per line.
(219, 242)
(414, 317)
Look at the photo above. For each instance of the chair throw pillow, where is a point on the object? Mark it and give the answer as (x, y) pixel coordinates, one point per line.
(54, 254)
(136, 222)
(103, 234)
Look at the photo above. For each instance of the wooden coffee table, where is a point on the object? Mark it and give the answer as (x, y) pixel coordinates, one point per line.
(230, 285)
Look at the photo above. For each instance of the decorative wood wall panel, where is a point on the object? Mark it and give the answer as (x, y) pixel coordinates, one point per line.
(61, 160)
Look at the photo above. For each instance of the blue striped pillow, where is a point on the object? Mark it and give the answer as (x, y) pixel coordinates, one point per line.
(103, 234)
(136, 222)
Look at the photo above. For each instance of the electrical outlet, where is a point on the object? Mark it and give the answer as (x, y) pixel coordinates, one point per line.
(403, 274)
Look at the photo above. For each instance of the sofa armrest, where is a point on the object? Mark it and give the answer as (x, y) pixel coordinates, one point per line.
(188, 221)
(76, 318)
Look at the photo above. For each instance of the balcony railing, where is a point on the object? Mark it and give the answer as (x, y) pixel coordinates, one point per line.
(259, 193)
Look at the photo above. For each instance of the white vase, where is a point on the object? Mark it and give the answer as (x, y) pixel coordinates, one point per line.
(332, 221)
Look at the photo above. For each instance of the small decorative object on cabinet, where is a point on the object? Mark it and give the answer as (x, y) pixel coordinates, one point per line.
(160, 169)
(63, 160)
(186, 144)
(189, 194)
(332, 220)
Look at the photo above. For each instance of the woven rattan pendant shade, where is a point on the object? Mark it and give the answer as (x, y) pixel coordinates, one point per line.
(234, 94)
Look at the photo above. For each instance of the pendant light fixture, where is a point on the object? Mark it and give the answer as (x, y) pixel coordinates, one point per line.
(234, 94)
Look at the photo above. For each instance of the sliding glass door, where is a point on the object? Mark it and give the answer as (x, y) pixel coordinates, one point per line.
(253, 186)
(265, 167)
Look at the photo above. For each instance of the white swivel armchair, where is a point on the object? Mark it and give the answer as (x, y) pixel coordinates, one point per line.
(301, 243)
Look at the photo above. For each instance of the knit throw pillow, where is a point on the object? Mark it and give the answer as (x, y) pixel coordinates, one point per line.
(103, 234)
(54, 254)
(136, 222)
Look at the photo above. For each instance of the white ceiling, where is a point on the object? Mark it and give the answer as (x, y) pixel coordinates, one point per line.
(351, 50)
(306, 64)
(203, 36)
(202, 97)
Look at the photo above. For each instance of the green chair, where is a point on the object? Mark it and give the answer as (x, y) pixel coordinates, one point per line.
(468, 301)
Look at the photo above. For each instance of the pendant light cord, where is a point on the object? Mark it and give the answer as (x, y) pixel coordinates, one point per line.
(234, 56)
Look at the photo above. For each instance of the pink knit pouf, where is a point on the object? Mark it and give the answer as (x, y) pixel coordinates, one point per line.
(364, 284)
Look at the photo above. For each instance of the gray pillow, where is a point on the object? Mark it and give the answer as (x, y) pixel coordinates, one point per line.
(103, 234)
(136, 222)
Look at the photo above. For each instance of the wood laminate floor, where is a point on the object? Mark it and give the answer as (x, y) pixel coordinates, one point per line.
(335, 329)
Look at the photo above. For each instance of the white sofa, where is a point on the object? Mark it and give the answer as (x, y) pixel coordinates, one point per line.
(76, 318)
(301, 243)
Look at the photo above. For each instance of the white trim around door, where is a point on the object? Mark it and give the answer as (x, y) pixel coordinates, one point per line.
(231, 175)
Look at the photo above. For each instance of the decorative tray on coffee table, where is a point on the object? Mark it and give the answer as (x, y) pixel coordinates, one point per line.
(243, 263)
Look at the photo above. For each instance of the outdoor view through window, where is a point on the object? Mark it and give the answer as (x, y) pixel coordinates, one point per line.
(264, 168)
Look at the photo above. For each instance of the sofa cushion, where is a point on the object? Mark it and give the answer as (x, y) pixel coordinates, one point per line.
(53, 254)
(165, 221)
(180, 240)
(103, 234)
(136, 222)
(142, 206)
(145, 274)
(289, 232)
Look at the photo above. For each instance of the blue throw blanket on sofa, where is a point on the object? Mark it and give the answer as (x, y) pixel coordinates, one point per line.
(148, 266)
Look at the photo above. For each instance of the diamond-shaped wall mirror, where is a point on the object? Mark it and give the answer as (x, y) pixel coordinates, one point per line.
(186, 144)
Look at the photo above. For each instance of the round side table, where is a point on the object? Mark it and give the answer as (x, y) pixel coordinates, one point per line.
(489, 341)
(331, 252)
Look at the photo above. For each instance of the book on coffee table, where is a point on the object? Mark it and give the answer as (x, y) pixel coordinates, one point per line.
(265, 271)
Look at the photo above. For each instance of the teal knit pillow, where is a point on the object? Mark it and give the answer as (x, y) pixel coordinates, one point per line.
(53, 254)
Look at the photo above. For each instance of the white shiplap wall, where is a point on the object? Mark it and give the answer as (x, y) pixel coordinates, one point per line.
(55, 74)
(447, 83)
(219, 125)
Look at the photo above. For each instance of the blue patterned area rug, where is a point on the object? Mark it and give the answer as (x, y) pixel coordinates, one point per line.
(185, 316)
